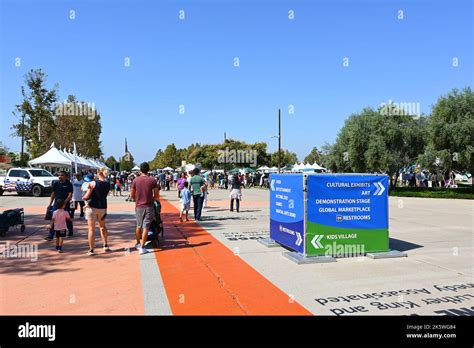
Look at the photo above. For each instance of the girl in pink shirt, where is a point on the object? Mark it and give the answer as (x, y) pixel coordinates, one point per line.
(58, 223)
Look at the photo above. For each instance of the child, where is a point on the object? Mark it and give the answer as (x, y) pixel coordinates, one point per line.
(185, 201)
(58, 223)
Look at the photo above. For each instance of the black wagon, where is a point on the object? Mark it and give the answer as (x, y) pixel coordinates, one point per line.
(10, 218)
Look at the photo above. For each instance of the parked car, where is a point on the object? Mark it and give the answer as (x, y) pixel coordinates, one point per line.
(33, 181)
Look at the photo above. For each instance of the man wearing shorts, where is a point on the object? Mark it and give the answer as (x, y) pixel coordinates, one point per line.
(144, 192)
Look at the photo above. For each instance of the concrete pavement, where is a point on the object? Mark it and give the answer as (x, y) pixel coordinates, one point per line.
(218, 267)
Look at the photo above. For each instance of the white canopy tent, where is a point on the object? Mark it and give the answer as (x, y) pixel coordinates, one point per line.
(302, 167)
(53, 157)
(62, 158)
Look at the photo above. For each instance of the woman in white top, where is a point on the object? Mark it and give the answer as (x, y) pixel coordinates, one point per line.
(77, 194)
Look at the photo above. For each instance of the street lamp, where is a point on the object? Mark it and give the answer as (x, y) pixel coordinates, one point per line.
(279, 140)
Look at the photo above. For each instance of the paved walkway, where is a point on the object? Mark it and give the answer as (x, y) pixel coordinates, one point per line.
(192, 274)
(218, 267)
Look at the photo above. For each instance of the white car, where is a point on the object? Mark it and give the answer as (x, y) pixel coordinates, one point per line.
(34, 181)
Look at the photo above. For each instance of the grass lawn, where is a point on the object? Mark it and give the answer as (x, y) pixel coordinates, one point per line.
(459, 193)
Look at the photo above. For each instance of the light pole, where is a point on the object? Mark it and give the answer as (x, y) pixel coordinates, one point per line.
(279, 140)
(22, 136)
(225, 155)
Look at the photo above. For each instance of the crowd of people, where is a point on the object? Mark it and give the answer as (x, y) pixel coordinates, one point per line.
(88, 193)
(423, 178)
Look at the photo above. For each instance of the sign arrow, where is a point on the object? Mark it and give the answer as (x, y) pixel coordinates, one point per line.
(380, 189)
(298, 239)
(272, 185)
(316, 242)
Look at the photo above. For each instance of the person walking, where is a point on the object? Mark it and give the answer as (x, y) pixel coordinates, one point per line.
(198, 185)
(235, 193)
(185, 200)
(59, 223)
(118, 187)
(77, 183)
(144, 191)
(62, 189)
(96, 209)
(180, 183)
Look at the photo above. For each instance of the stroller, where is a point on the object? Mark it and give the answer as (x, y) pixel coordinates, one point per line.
(156, 228)
(12, 217)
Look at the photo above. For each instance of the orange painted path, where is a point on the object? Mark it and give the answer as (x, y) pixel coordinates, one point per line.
(203, 277)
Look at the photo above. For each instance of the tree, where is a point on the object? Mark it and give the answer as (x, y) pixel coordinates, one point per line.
(37, 109)
(372, 142)
(313, 156)
(287, 158)
(127, 162)
(450, 132)
(111, 162)
(79, 123)
(167, 158)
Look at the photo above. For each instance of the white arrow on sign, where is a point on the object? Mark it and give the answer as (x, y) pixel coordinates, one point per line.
(380, 189)
(272, 185)
(316, 242)
(298, 239)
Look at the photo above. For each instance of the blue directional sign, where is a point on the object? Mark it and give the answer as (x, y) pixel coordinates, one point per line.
(287, 210)
(347, 210)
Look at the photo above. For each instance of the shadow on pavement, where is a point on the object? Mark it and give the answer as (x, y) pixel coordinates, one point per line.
(401, 245)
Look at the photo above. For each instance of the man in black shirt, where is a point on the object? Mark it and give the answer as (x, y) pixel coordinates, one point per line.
(62, 189)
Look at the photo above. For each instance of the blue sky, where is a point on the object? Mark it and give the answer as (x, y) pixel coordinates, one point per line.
(190, 62)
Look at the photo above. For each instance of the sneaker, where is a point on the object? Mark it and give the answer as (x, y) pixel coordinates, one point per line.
(143, 251)
(90, 253)
(138, 246)
(106, 248)
(48, 238)
(60, 250)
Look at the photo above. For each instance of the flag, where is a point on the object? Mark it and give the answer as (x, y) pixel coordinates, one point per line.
(9, 185)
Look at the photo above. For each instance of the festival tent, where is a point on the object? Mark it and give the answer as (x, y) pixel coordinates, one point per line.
(62, 158)
(53, 157)
(167, 168)
(135, 168)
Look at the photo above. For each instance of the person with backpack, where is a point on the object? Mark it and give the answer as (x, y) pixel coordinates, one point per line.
(96, 209)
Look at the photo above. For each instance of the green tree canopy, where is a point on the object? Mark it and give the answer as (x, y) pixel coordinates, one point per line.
(37, 109)
(450, 132)
(313, 156)
(372, 142)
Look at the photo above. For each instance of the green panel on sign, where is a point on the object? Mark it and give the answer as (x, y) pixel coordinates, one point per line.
(328, 240)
